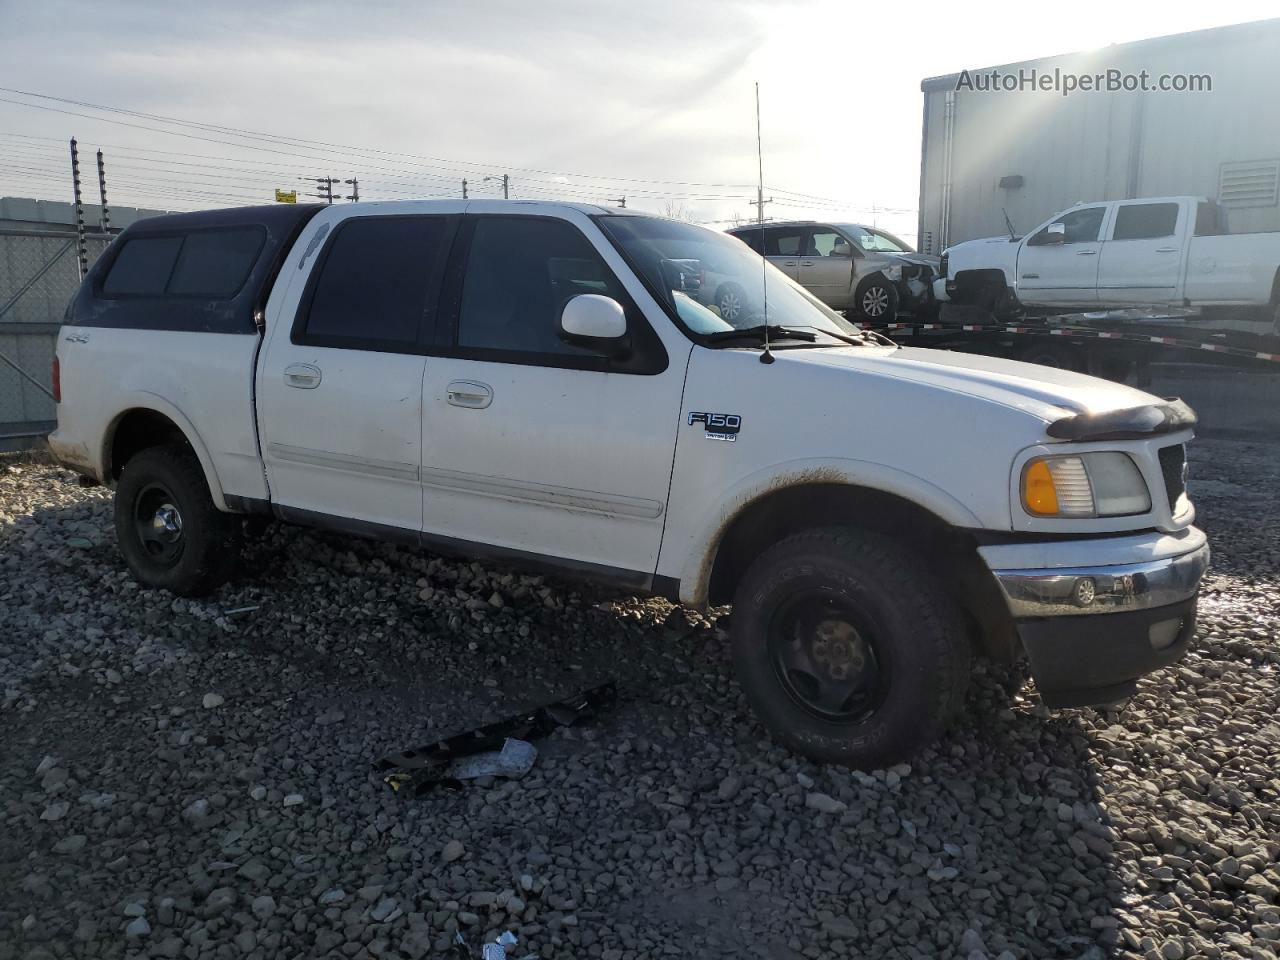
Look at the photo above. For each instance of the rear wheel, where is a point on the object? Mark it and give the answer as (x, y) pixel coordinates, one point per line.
(171, 534)
(847, 648)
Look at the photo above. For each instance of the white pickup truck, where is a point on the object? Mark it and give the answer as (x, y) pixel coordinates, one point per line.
(531, 383)
(1159, 252)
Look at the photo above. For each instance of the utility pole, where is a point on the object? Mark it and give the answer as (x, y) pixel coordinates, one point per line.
(464, 188)
(325, 184)
(506, 183)
(759, 203)
(83, 250)
(354, 195)
(104, 220)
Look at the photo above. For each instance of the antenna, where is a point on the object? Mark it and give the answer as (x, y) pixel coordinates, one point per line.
(1008, 223)
(765, 357)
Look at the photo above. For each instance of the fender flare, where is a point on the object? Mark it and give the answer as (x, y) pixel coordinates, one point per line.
(146, 400)
(700, 555)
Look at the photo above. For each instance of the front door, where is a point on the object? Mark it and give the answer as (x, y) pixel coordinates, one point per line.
(339, 384)
(1064, 273)
(1142, 259)
(533, 445)
(826, 268)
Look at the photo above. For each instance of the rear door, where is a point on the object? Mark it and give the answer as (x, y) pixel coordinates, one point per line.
(534, 446)
(826, 267)
(339, 384)
(783, 246)
(1142, 259)
(1063, 273)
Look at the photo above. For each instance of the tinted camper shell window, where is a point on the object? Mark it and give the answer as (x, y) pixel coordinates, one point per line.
(206, 272)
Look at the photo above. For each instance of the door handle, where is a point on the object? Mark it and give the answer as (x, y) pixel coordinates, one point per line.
(304, 376)
(806, 263)
(469, 393)
(1086, 253)
(788, 263)
(1166, 249)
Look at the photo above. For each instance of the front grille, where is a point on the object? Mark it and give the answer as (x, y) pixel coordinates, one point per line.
(1173, 462)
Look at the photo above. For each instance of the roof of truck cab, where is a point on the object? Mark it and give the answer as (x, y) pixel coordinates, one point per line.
(496, 206)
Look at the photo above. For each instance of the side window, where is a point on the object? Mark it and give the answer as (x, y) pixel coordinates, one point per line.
(372, 282)
(1145, 221)
(520, 273)
(783, 241)
(827, 243)
(143, 267)
(216, 263)
(1080, 226)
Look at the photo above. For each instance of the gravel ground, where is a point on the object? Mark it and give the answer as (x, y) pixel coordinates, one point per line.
(181, 780)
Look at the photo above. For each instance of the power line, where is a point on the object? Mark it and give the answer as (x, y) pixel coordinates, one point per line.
(294, 142)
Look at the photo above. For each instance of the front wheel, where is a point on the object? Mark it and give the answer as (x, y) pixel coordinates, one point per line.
(848, 649)
(877, 300)
(171, 534)
(731, 301)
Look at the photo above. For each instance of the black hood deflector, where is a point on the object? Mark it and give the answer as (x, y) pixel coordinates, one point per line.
(1133, 423)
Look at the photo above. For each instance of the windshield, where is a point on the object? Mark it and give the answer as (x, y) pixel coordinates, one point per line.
(876, 241)
(714, 282)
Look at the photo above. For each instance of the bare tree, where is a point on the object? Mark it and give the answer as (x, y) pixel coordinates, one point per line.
(676, 210)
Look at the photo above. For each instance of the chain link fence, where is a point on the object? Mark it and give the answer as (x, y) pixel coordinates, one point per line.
(38, 277)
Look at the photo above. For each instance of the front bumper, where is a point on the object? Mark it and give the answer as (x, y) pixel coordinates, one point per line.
(1090, 631)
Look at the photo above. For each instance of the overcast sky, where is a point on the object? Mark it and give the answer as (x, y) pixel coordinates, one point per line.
(641, 98)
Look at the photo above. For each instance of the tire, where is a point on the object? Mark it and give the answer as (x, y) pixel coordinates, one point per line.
(834, 610)
(731, 301)
(876, 300)
(172, 536)
(1001, 303)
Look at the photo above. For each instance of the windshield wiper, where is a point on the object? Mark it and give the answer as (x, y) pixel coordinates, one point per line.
(775, 332)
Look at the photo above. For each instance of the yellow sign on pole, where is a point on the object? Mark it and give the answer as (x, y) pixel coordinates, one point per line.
(286, 196)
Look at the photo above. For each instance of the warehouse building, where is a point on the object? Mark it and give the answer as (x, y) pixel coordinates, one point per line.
(1012, 139)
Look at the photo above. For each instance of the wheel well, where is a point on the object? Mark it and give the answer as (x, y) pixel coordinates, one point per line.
(137, 430)
(948, 552)
(979, 286)
(871, 277)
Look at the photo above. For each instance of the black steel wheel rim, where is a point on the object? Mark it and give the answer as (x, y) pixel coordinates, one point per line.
(825, 654)
(157, 521)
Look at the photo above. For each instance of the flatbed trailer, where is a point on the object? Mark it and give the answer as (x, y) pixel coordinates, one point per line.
(1118, 345)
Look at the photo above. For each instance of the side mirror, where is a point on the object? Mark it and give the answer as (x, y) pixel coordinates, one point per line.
(1056, 233)
(597, 323)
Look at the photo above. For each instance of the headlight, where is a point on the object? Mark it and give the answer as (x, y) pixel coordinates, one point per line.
(893, 273)
(1086, 485)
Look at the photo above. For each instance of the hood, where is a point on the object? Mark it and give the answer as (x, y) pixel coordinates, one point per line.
(921, 258)
(983, 246)
(1046, 393)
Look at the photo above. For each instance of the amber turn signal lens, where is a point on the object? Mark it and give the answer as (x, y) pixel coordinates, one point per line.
(1038, 492)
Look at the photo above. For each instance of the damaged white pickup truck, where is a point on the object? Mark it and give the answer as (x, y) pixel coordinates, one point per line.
(532, 383)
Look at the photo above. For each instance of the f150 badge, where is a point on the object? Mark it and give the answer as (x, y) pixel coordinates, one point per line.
(718, 426)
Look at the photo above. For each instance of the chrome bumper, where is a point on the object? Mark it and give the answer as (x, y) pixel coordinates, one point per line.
(1107, 589)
